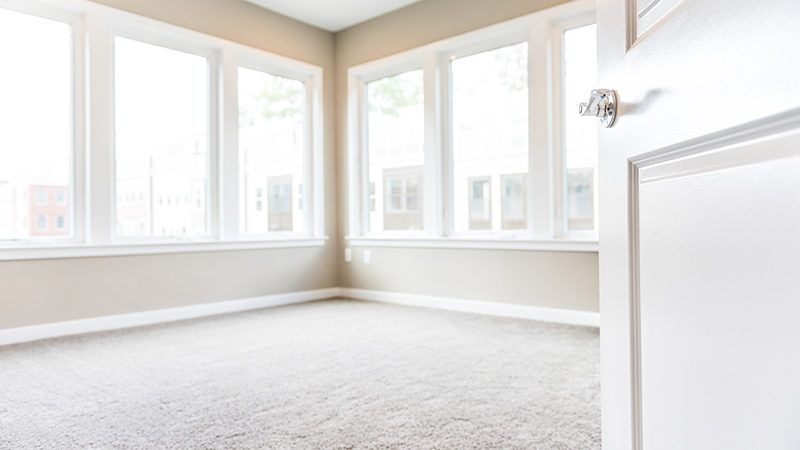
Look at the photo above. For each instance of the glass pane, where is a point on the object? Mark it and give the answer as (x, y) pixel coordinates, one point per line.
(37, 136)
(396, 127)
(162, 98)
(580, 136)
(515, 207)
(490, 124)
(271, 152)
(480, 204)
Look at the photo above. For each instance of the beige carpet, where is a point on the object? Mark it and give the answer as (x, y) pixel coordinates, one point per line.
(334, 374)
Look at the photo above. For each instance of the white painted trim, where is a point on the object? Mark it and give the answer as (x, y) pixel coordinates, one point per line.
(138, 319)
(87, 251)
(553, 245)
(565, 316)
(121, 321)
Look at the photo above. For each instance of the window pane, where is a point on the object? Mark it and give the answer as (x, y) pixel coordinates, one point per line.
(580, 136)
(162, 119)
(480, 204)
(271, 152)
(36, 116)
(490, 123)
(396, 127)
(514, 208)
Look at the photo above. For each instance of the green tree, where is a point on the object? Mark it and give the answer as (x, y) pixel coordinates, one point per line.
(391, 94)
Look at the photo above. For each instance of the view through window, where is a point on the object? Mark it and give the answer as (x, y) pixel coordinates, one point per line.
(580, 135)
(396, 152)
(490, 139)
(162, 158)
(36, 113)
(271, 152)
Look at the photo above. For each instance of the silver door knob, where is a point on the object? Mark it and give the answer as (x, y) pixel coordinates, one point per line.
(602, 104)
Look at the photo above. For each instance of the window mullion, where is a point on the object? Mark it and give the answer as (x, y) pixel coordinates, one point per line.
(357, 152)
(316, 158)
(540, 198)
(100, 157)
(80, 166)
(228, 154)
(432, 181)
(446, 145)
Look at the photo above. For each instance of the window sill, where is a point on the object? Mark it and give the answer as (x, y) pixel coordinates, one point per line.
(21, 253)
(549, 245)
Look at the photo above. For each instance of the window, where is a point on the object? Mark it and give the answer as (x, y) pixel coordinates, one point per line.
(515, 203)
(210, 144)
(162, 136)
(272, 146)
(580, 136)
(480, 203)
(41, 222)
(61, 197)
(396, 151)
(490, 124)
(41, 196)
(279, 203)
(36, 113)
(402, 207)
(487, 123)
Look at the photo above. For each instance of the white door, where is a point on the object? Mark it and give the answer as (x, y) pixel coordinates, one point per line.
(700, 224)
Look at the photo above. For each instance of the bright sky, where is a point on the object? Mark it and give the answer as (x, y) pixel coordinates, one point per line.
(36, 93)
(580, 67)
(161, 99)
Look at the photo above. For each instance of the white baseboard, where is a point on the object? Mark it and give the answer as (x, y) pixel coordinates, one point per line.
(105, 323)
(566, 316)
(130, 320)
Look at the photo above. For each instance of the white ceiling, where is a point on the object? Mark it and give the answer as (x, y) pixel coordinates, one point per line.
(332, 15)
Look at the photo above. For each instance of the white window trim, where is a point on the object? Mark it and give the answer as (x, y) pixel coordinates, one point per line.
(545, 230)
(93, 172)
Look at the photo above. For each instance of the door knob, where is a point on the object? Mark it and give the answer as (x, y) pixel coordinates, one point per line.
(602, 104)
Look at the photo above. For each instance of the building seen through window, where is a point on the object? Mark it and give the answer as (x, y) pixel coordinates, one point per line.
(272, 149)
(396, 152)
(402, 204)
(162, 156)
(37, 119)
(490, 139)
(580, 136)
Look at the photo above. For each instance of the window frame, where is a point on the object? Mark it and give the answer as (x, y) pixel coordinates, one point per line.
(172, 40)
(544, 182)
(253, 61)
(560, 194)
(93, 171)
(77, 170)
(406, 63)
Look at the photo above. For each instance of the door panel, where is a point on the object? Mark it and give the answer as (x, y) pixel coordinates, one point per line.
(699, 212)
(718, 295)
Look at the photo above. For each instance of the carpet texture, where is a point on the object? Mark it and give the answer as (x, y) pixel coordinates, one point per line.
(331, 375)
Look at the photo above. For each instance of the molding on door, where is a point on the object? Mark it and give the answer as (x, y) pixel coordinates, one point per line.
(639, 22)
(565, 316)
(138, 319)
(692, 157)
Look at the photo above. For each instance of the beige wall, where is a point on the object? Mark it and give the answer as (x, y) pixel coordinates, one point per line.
(557, 280)
(33, 292)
